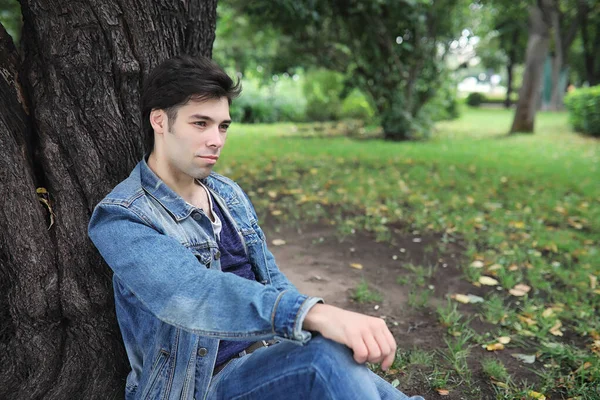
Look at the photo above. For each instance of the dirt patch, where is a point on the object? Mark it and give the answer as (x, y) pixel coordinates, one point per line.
(319, 264)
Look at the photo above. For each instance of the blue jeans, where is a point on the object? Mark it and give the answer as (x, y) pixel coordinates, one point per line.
(322, 369)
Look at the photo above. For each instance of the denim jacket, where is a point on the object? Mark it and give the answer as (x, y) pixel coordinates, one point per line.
(172, 300)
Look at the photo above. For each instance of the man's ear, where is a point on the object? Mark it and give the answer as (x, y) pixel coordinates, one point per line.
(158, 120)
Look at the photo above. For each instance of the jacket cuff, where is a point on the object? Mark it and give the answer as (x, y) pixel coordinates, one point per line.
(289, 313)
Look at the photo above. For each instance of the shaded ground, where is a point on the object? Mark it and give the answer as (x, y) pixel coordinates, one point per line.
(317, 262)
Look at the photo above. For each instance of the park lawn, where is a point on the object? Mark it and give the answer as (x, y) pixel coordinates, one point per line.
(525, 208)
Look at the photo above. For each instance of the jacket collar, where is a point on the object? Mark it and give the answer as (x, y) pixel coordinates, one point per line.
(155, 187)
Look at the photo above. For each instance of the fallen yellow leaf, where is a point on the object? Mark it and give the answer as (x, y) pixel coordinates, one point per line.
(443, 392)
(504, 339)
(536, 395)
(276, 212)
(527, 320)
(593, 281)
(560, 209)
(517, 224)
(520, 290)
(548, 312)
(555, 330)
(278, 242)
(461, 298)
(477, 264)
(494, 267)
(488, 281)
(356, 266)
(272, 194)
(494, 347)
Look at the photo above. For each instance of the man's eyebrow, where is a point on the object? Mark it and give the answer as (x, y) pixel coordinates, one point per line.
(207, 118)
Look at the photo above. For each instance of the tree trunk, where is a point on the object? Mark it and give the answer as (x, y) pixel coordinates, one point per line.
(70, 123)
(537, 51)
(591, 48)
(557, 62)
(512, 56)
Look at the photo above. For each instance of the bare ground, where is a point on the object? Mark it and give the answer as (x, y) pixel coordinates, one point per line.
(318, 263)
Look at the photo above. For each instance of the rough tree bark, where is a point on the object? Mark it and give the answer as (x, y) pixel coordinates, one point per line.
(591, 47)
(563, 38)
(510, 66)
(69, 122)
(537, 51)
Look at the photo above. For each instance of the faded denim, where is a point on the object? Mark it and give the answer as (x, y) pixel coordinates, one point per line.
(321, 370)
(172, 300)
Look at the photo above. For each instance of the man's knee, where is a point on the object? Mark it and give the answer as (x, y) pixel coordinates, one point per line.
(327, 356)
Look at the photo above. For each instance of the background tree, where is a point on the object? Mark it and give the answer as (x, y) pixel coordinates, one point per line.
(588, 12)
(393, 50)
(69, 123)
(565, 25)
(537, 51)
(504, 38)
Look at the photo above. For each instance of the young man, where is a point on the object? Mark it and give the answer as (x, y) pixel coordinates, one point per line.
(197, 292)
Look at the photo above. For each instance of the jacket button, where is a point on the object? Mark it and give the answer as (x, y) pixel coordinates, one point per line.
(217, 255)
(202, 351)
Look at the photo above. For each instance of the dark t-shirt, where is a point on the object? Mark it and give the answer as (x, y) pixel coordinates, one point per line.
(233, 260)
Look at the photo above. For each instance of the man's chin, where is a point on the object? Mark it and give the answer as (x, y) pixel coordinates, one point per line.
(201, 173)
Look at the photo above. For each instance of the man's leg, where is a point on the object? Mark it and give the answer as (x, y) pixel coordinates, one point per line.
(322, 369)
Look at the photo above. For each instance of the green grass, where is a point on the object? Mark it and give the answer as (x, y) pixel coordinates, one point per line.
(494, 369)
(528, 204)
(363, 294)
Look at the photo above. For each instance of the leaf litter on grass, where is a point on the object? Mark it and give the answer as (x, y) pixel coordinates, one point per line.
(526, 207)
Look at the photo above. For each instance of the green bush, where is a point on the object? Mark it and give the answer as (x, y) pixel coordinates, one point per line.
(398, 124)
(444, 104)
(475, 99)
(584, 110)
(357, 106)
(322, 90)
(278, 102)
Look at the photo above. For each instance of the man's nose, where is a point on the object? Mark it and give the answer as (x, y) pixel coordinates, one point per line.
(215, 139)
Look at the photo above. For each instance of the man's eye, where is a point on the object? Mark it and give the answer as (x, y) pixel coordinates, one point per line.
(200, 123)
(224, 127)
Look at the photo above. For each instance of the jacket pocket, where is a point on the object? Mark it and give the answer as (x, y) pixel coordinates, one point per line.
(203, 255)
(155, 375)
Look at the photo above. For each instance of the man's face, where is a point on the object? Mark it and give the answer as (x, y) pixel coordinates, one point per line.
(192, 143)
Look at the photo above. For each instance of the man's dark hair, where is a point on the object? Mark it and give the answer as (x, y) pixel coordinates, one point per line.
(178, 80)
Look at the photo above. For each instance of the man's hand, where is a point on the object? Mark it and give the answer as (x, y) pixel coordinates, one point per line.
(368, 337)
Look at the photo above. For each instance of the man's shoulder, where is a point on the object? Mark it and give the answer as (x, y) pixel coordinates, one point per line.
(127, 191)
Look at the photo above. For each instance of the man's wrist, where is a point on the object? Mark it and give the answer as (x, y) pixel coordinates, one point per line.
(315, 317)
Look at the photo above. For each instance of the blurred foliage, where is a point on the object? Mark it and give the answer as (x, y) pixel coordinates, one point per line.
(248, 45)
(356, 106)
(322, 90)
(584, 54)
(503, 33)
(279, 101)
(392, 51)
(584, 110)
(444, 105)
(475, 99)
(10, 18)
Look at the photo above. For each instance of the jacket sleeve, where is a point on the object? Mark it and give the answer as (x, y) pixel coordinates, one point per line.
(278, 279)
(167, 279)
